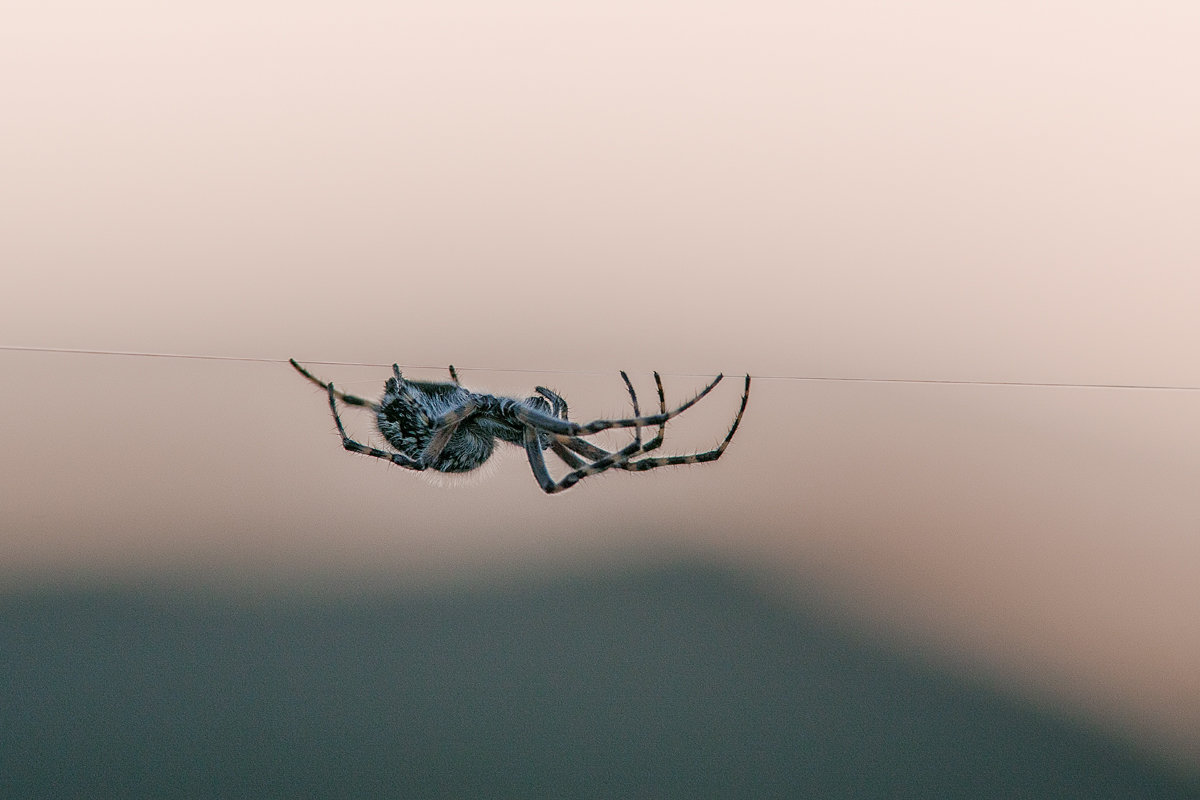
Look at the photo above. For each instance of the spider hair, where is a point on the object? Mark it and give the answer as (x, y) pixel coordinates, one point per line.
(444, 427)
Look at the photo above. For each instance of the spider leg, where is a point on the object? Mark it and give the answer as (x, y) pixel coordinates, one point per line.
(537, 461)
(589, 450)
(560, 405)
(566, 447)
(573, 461)
(637, 412)
(560, 443)
(694, 458)
(454, 376)
(662, 410)
(551, 424)
(348, 399)
(355, 447)
(446, 425)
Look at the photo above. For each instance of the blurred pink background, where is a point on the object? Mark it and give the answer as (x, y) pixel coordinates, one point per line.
(994, 191)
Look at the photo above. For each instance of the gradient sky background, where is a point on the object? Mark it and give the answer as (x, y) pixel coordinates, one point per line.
(928, 190)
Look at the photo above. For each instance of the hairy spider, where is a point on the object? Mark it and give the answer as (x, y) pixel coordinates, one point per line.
(448, 428)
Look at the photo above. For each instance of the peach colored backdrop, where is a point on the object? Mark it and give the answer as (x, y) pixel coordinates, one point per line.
(992, 191)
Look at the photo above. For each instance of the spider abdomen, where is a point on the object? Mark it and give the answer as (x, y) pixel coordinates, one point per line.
(463, 453)
(406, 418)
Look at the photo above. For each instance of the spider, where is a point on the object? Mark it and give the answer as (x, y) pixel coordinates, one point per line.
(448, 428)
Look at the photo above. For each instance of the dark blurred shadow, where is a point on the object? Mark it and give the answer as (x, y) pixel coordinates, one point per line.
(669, 682)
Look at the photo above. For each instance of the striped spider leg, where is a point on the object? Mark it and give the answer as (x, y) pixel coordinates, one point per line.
(625, 457)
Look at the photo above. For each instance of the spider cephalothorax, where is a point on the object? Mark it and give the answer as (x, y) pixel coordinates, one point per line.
(446, 427)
